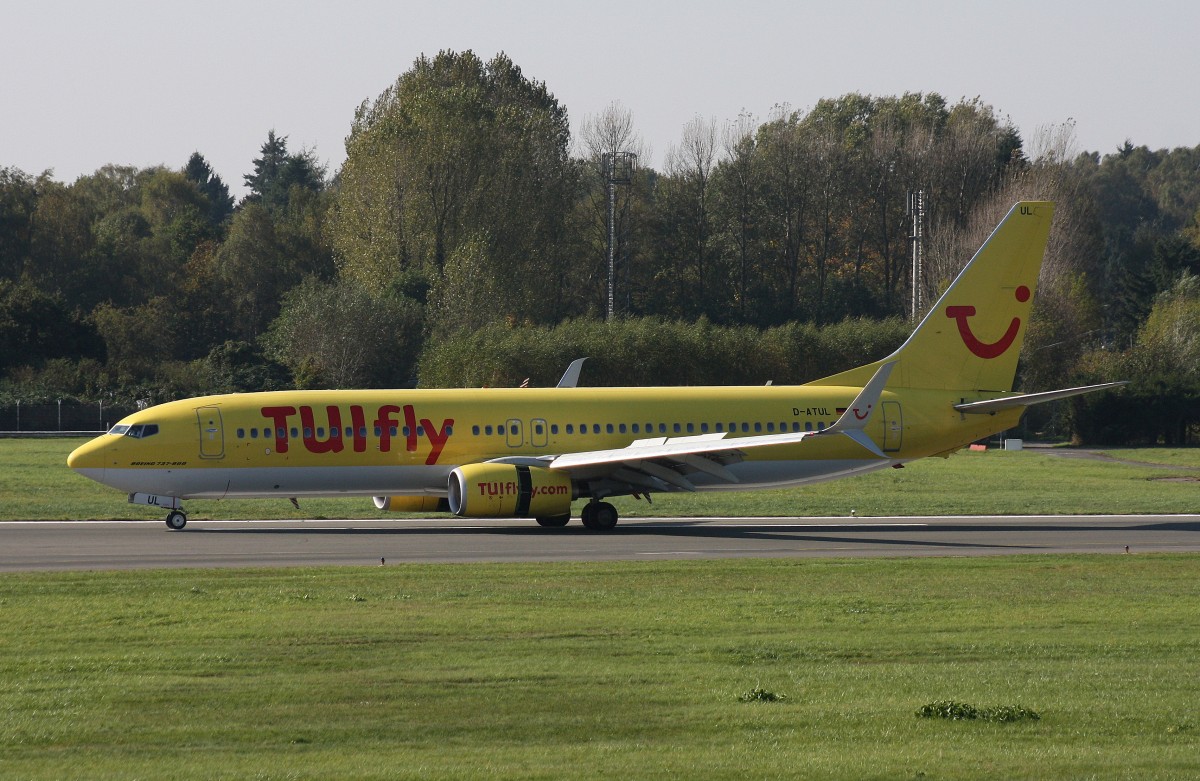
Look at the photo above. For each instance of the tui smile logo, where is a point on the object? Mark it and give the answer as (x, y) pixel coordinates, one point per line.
(987, 350)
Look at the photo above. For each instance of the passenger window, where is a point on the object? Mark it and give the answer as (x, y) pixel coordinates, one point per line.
(662, 428)
(703, 428)
(320, 432)
(295, 433)
(254, 433)
(475, 430)
(241, 434)
(307, 432)
(757, 428)
(770, 428)
(281, 433)
(621, 428)
(487, 430)
(678, 428)
(609, 428)
(570, 428)
(554, 428)
(595, 428)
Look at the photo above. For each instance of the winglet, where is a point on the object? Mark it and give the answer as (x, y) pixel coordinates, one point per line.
(570, 378)
(856, 417)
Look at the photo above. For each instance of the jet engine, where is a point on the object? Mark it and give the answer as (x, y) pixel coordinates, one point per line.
(508, 491)
(411, 504)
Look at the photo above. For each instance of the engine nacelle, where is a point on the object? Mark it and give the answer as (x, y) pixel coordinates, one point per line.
(508, 491)
(412, 504)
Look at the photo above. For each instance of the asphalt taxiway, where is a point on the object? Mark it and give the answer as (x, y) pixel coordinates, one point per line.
(110, 545)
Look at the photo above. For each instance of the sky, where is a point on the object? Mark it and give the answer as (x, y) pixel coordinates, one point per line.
(140, 83)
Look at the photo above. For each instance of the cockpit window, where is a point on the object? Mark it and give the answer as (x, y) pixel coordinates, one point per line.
(142, 431)
(118, 429)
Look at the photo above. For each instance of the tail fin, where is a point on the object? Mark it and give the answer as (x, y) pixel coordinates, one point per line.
(972, 337)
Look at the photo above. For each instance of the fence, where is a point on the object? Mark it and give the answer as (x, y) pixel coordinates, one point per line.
(61, 416)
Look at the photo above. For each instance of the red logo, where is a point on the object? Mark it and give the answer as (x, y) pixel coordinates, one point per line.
(986, 350)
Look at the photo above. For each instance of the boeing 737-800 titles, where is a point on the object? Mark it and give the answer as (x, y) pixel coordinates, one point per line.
(490, 453)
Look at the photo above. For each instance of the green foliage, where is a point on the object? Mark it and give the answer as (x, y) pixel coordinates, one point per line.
(279, 176)
(749, 258)
(759, 694)
(1163, 402)
(650, 351)
(962, 711)
(220, 202)
(337, 335)
(36, 328)
(459, 171)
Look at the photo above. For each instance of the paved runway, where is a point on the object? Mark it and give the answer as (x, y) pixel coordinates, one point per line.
(107, 545)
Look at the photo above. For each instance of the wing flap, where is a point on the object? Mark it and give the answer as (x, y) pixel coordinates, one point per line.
(665, 462)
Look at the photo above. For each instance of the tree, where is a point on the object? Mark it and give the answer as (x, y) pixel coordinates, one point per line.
(35, 328)
(688, 192)
(277, 171)
(18, 201)
(338, 335)
(220, 202)
(457, 152)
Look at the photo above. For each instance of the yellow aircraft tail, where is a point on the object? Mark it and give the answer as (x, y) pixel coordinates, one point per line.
(971, 338)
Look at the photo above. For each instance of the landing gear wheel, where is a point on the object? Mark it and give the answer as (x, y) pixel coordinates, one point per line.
(599, 516)
(176, 520)
(554, 521)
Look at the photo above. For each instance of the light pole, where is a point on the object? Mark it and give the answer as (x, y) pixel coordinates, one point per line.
(618, 169)
(916, 210)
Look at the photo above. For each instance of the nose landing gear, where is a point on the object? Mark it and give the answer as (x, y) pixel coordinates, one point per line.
(176, 520)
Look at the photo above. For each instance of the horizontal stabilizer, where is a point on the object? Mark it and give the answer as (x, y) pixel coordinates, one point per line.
(1029, 399)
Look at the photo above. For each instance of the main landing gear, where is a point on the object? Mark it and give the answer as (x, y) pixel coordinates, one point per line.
(176, 520)
(599, 516)
(596, 515)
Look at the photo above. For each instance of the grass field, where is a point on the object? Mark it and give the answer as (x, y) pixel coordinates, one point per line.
(612, 670)
(619, 670)
(35, 484)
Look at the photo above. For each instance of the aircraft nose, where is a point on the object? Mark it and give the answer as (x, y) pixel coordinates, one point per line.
(88, 459)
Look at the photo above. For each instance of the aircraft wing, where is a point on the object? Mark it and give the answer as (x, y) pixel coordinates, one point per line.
(663, 463)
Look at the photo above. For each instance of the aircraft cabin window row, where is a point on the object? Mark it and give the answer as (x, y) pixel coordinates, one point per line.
(757, 427)
(334, 433)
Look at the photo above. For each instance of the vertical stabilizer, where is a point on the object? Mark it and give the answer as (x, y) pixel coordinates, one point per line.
(971, 338)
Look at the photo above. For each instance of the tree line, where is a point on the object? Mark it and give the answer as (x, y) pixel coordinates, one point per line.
(465, 241)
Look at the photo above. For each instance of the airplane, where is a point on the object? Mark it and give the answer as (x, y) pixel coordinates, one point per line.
(530, 452)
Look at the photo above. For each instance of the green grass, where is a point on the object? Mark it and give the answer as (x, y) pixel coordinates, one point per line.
(36, 484)
(609, 670)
